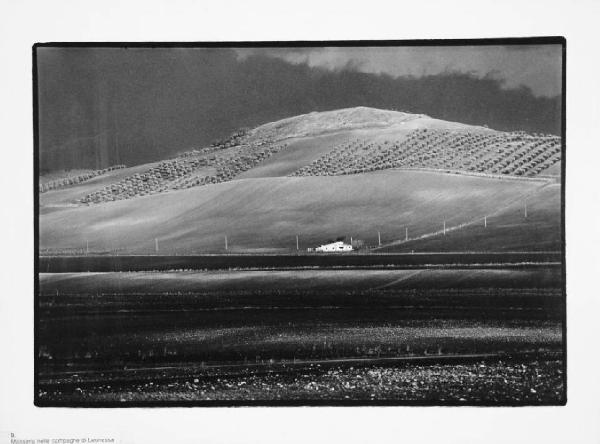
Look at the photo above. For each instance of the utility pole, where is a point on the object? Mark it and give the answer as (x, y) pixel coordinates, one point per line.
(485, 221)
(444, 228)
(87, 246)
(525, 210)
(297, 244)
(406, 229)
(156, 244)
(226, 242)
(379, 238)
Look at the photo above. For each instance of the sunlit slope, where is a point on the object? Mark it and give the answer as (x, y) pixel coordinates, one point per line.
(350, 119)
(316, 123)
(531, 224)
(266, 214)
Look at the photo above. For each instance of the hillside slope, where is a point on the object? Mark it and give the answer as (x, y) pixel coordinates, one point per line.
(267, 214)
(530, 224)
(353, 172)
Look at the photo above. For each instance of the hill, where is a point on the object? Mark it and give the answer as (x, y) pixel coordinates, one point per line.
(354, 172)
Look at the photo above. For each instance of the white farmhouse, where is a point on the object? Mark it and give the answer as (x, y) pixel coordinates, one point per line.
(334, 247)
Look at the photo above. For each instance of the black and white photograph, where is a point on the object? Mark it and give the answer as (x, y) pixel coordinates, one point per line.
(303, 223)
(317, 223)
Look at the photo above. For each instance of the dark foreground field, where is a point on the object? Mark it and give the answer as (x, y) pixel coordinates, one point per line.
(508, 381)
(432, 336)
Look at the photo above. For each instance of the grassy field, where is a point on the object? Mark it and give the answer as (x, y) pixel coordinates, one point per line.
(250, 354)
(292, 280)
(273, 335)
(507, 230)
(98, 331)
(77, 261)
(523, 382)
(267, 214)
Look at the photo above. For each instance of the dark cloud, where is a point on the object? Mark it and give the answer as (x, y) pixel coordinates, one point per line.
(535, 66)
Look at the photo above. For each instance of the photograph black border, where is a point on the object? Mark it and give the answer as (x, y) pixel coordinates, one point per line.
(502, 41)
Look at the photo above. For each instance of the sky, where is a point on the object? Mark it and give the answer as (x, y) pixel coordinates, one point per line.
(535, 66)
